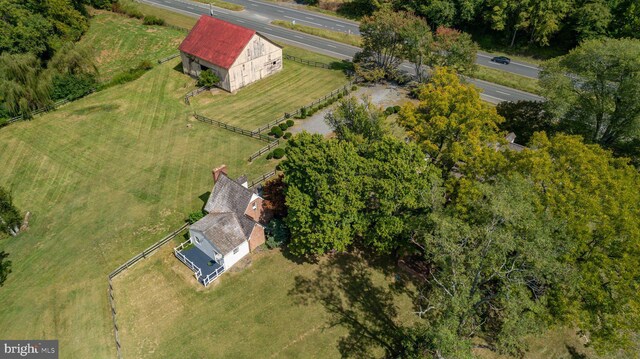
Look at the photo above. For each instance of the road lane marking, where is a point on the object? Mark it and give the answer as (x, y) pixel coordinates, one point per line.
(332, 46)
(504, 93)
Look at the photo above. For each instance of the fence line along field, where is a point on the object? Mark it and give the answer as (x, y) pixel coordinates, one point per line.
(106, 176)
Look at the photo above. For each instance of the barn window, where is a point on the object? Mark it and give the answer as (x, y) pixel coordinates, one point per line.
(274, 62)
(236, 250)
(198, 240)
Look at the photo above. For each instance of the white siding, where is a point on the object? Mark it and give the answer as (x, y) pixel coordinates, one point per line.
(193, 66)
(204, 245)
(259, 59)
(230, 259)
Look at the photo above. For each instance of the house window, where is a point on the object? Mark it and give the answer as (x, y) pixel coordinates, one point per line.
(198, 240)
(236, 250)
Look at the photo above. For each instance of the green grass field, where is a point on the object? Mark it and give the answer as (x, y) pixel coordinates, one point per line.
(121, 43)
(508, 79)
(354, 40)
(106, 176)
(265, 310)
(264, 101)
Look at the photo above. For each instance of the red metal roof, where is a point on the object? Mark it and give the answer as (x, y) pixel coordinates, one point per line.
(216, 41)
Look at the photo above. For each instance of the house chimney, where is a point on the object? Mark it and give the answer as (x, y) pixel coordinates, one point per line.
(511, 137)
(217, 171)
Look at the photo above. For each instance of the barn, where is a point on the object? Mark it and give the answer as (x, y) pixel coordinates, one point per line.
(237, 55)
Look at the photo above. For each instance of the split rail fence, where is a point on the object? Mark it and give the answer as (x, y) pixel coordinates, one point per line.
(188, 96)
(51, 107)
(154, 247)
(307, 62)
(232, 128)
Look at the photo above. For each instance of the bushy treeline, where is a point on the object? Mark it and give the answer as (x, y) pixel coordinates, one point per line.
(512, 243)
(40, 61)
(545, 22)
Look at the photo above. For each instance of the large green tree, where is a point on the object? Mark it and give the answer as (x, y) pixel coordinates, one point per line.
(323, 205)
(340, 192)
(357, 121)
(595, 90)
(10, 219)
(596, 198)
(454, 49)
(491, 267)
(24, 84)
(454, 127)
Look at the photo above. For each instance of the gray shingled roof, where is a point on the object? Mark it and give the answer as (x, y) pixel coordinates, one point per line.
(222, 230)
(228, 195)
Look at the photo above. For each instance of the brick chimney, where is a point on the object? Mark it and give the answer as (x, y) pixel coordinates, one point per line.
(217, 171)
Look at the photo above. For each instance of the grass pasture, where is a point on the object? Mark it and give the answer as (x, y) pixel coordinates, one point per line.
(106, 176)
(273, 308)
(121, 43)
(266, 100)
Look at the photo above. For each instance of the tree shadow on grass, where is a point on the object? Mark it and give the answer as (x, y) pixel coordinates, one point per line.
(344, 286)
(574, 354)
(344, 65)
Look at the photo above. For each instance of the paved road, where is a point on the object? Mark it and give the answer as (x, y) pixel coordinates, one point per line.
(309, 18)
(260, 22)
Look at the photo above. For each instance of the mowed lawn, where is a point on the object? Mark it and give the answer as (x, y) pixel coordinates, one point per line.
(268, 309)
(104, 177)
(266, 100)
(121, 43)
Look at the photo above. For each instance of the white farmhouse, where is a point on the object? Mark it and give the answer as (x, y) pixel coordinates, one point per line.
(237, 55)
(230, 230)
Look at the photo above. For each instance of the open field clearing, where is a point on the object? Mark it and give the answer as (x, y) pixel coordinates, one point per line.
(121, 43)
(104, 177)
(266, 100)
(268, 309)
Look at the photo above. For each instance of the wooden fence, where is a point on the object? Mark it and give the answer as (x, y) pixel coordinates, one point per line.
(235, 129)
(168, 58)
(144, 254)
(193, 93)
(51, 107)
(269, 125)
(307, 62)
(264, 149)
(262, 178)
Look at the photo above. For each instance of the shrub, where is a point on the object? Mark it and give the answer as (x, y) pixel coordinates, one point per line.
(208, 78)
(278, 153)
(287, 135)
(276, 132)
(145, 65)
(4, 121)
(152, 20)
(354, 87)
(303, 112)
(391, 110)
(71, 87)
(128, 9)
(396, 109)
(290, 123)
(283, 126)
(195, 216)
(340, 95)
(277, 233)
(269, 155)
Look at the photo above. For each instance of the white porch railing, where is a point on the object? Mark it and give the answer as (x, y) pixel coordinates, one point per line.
(196, 270)
(211, 277)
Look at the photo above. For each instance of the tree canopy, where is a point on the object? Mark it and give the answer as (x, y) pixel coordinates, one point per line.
(595, 90)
